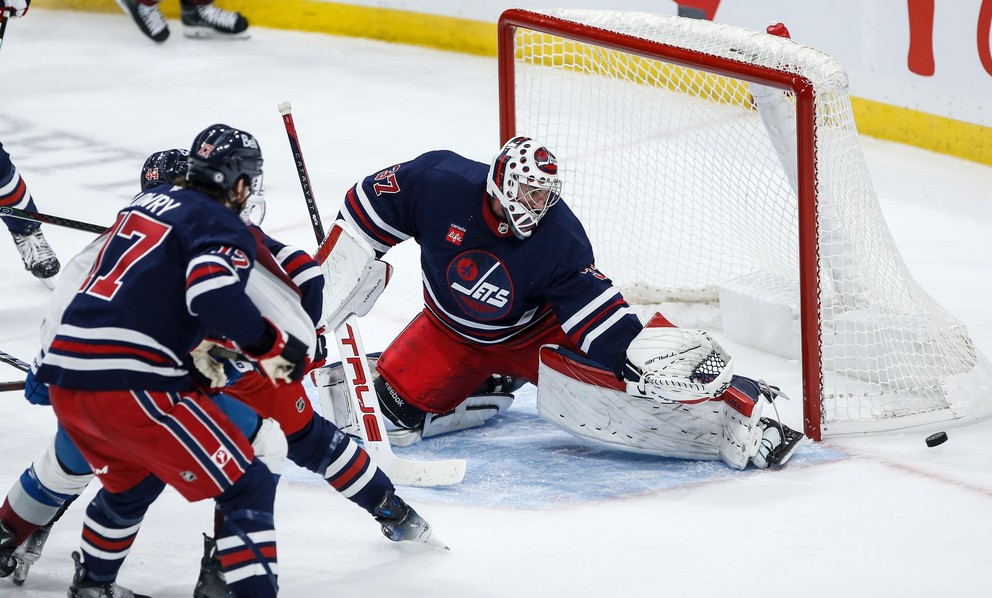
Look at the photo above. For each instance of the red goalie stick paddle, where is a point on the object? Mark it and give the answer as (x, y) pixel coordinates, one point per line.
(358, 377)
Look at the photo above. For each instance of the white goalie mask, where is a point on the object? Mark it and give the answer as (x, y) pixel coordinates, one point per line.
(524, 178)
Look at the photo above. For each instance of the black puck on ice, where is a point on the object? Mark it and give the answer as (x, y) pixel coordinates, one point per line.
(936, 439)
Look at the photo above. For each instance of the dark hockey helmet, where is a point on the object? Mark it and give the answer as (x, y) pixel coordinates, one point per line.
(221, 155)
(164, 167)
(524, 178)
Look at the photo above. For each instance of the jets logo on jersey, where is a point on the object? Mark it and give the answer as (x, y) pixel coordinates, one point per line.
(456, 234)
(480, 284)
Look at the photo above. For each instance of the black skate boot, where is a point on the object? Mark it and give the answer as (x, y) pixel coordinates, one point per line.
(400, 523)
(82, 587)
(211, 583)
(7, 563)
(149, 19)
(37, 254)
(206, 21)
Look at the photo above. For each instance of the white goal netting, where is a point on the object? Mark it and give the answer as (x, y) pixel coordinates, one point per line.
(689, 185)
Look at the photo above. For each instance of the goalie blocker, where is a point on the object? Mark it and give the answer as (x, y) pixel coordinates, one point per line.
(589, 402)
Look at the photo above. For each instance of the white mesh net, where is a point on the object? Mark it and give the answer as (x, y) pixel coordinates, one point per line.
(687, 188)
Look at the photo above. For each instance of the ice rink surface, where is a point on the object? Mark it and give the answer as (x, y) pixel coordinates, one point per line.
(86, 98)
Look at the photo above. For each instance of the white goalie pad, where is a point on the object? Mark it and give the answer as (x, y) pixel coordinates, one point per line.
(678, 364)
(353, 278)
(334, 402)
(590, 403)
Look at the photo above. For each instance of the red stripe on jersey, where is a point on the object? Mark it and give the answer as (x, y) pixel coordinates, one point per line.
(370, 228)
(204, 271)
(346, 477)
(268, 261)
(90, 348)
(15, 196)
(578, 334)
(296, 261)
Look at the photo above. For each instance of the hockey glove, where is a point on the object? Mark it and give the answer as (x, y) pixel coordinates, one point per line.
(282, 357)
(16, 8)
(667, 363)
(206, 370)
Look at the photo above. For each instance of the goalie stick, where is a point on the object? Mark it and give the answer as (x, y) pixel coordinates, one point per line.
(404, 472)
(49, 219)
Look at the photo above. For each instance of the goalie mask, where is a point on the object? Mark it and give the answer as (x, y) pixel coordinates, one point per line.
(164, 167)
(221, 155)
(524, 178)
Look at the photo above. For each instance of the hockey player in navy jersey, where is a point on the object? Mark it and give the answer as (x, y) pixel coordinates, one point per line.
(172, 268)
(60, 473)
(507, 270)
(36, 253)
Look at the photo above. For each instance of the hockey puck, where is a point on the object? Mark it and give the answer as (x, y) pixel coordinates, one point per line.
(936, 439)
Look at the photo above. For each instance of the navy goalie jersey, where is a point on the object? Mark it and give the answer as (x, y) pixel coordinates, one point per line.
(172, 268)
(481, 281)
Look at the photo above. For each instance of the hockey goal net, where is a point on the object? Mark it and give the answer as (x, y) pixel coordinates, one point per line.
(722, 166)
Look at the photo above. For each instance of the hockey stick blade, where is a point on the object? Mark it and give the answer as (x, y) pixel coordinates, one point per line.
(403, 472)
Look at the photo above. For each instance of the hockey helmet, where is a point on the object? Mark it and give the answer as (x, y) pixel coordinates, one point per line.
(164, 167)
(221, 155)
(524, 178)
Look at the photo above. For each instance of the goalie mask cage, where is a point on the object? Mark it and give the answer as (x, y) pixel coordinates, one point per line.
(704, 159)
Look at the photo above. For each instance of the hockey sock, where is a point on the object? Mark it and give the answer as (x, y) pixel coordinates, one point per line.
(324, 449)
(246, 540)
(111, 524)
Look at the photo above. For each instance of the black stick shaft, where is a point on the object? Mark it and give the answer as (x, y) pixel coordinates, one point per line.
(301, 169)
(49, 219)
(11, 360)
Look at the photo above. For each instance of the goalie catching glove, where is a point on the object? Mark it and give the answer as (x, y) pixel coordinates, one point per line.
(282, 357)
(667, 364)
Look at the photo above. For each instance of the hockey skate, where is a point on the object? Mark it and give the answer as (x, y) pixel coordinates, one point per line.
(148, 18)
(211, 583)
(778, 442)
(206, 21)
(38, 257)
(7, 563)
(83, 588)
(28, 553)
(400, 523)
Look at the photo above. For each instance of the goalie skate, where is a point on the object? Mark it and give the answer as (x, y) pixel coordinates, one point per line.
(778, 443)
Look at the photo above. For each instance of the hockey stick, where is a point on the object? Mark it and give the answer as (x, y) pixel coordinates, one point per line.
(3, 25)
(364, 401)
(49, 219)
(17, 363)
(286, 110)
(11, 360)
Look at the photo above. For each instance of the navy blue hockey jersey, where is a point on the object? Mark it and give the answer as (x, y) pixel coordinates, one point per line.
(172, 269)
(480, 280)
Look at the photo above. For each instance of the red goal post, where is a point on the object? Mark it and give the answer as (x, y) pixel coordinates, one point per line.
(646, 109)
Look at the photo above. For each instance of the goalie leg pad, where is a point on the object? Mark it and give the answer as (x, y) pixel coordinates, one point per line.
(335, 404)
(588, 402)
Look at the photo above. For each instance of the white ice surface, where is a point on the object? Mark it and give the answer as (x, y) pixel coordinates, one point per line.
(85, 98)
